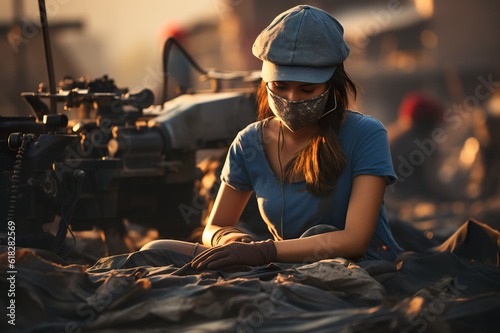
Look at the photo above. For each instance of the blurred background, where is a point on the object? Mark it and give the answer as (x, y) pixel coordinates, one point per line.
(429, 71)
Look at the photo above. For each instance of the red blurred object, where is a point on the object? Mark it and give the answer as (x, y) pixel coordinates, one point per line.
(418, 107)
(174, 30)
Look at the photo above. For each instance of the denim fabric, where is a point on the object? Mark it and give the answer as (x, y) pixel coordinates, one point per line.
(319, 229)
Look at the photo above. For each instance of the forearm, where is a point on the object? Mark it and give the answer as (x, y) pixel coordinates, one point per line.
(226, 211)
(208, 233)
(224, 235)
(214, 235)
(342, 243)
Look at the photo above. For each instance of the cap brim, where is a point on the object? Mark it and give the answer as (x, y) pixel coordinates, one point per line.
(272, 72)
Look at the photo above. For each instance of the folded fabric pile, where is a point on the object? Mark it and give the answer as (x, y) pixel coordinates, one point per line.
(452, 287)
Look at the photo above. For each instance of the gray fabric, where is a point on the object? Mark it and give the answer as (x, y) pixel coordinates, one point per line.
(157, 291)
(341, 278)
(144, 288)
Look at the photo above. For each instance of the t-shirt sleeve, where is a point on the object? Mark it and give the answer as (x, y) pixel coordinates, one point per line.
(235, 171)
(372, 154)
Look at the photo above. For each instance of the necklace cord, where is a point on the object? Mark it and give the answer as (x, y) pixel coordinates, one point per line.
(280, 147)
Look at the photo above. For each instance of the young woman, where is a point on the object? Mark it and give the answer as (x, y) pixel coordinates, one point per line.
(318, 170)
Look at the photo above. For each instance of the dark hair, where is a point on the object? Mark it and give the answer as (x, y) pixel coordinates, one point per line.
(323, 159)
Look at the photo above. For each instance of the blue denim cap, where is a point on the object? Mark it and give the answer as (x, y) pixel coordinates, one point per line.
(302, 44)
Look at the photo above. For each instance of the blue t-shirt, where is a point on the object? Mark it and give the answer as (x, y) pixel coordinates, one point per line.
(363, 139)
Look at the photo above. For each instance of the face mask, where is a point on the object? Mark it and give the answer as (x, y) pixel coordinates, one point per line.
(298, 114)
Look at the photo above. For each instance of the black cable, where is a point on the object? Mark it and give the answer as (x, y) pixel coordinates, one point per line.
(166, 54)
(16, 176)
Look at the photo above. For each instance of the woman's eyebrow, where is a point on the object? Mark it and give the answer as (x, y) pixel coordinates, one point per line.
(306, 84)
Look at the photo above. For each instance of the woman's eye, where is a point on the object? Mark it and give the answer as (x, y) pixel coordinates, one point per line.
(279, 87)
(308, 91)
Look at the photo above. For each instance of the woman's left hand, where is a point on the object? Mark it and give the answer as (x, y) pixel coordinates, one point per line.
(252, 254)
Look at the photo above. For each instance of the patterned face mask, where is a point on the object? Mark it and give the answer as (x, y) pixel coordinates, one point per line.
(298, 114)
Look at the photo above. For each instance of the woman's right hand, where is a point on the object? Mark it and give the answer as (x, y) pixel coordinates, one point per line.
(227, 256)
